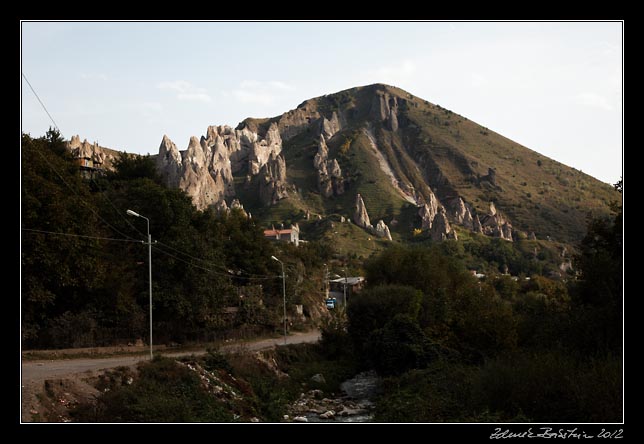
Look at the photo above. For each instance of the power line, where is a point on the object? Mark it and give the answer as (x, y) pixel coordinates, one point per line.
(118, 211)
(223, 267)
(80, 235)
(56, 171)
(213, 271)
(41, 104)
(79, 197)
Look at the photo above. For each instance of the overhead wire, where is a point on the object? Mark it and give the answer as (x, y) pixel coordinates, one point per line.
(228, 275)
(37, 97)
(56, 171)
(118, 211)
(31, 230)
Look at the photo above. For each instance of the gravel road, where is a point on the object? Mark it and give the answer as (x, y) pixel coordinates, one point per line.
(37, 371)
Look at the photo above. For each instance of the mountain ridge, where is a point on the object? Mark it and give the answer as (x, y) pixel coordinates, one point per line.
(409, 159)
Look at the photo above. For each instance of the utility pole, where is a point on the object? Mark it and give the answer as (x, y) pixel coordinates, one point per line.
(283, 293)
(135, 214)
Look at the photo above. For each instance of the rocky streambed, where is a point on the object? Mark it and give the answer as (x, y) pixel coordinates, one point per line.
(355, 404)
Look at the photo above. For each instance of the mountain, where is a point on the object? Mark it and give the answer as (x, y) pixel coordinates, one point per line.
(390, 162)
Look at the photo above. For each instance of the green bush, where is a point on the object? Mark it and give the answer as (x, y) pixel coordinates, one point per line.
(550, 386)
(400, 346)
(374, 307)
(164, 392)
(439, 393)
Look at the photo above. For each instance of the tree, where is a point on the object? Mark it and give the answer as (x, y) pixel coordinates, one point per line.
(598, 296)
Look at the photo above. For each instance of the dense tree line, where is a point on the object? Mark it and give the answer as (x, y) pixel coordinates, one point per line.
(454, 348)
(85, 263)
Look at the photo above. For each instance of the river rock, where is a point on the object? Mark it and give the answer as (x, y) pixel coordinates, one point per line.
(319, 378)
(300, 419)
(329, 414)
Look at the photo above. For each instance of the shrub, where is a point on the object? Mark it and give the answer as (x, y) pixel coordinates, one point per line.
(374, 307)
(550, 386)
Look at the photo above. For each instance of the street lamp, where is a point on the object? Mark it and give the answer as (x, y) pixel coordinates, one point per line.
(345, 287)
(283, 293)
(135, 214)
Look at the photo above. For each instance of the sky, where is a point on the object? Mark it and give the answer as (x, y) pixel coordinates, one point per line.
(554, 87)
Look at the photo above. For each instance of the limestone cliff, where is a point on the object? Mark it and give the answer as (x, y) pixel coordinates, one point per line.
(272, 181)
(205, 170)
(329, 173)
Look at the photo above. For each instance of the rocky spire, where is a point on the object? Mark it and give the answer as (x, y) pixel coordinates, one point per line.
(169, 163)
(428, 211)
(196, 180)
(496, 224)
(441, 229)
(330, 180)
(382, 230)
(330, 127)
(272, 181)
(360, 216)
(461, 213)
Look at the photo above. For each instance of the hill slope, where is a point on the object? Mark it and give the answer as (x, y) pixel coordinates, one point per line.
(415, 164)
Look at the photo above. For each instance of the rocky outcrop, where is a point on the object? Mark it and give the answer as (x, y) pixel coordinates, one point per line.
(441, 229)
(96, 156)
(330, 127)
(323, 153)
(385, 108)
(490, 177)
(382, 230)
(196, 180)
(496, 224)
(428, 211)
(476, 224)
(360, 215)
(461, 213)
(329, 173)
(205, 170)
(262, 150)
(169, 163)
(272, 181)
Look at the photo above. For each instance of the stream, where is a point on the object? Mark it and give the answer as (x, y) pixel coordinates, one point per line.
(354, 405)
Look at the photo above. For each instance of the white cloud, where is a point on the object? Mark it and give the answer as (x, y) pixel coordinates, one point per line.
(185, 91)
(594, 100)
(259, 92)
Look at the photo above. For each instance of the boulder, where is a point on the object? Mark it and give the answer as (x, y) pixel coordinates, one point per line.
(318, 378)
(382, 230)
(329, 414)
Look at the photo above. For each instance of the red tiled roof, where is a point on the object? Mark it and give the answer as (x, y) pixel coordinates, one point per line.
(276, 232)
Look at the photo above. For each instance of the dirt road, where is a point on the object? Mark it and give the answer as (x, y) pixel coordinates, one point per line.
(45, 369)
(74, 371)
